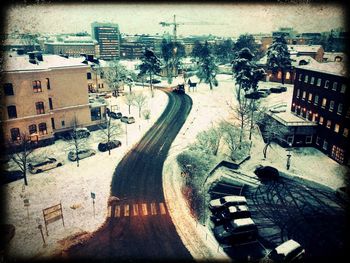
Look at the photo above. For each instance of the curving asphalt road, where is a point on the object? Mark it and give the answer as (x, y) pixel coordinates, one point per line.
(139, 226)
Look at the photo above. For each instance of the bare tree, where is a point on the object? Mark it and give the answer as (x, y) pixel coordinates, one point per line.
(77, 141)
(21, 151)
(140, 100)
(115, 76)
(111, 131)
(209, 141)
(129, 100)
(271, 131)
(241, 112)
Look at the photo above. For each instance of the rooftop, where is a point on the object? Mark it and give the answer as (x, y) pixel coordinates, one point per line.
(14, 62)
(304, 48)
(333, 68)
(289, 119)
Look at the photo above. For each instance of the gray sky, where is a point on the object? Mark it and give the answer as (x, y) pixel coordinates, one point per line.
(234, 19)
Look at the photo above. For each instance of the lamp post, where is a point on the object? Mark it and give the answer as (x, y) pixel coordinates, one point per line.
(40, 227)
(289, 155)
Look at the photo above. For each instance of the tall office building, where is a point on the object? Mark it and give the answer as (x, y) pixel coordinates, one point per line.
(108, 38)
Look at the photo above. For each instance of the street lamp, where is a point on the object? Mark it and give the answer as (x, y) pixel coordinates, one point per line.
(289, 155)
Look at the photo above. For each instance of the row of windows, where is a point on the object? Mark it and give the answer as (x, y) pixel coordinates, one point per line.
(41, 129)
(309, 115)
(36, 84)
(319, 82)
(39, 106)
(337, 153)
(315, 100)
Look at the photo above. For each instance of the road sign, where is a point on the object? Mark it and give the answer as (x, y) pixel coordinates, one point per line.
(52, 214)
(26, 202)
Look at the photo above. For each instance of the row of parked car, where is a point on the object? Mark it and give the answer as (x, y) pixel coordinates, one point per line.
(264, 92)
(119, 115)
(233, 225)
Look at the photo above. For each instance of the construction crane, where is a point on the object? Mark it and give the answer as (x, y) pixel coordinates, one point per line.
(176, 24)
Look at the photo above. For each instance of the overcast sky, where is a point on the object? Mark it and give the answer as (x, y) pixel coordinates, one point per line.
(226, 19)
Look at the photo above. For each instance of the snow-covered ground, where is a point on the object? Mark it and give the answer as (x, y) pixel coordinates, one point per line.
(210, 107)
(72, 186)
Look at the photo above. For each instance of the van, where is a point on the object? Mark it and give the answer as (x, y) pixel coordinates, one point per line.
(289, 251)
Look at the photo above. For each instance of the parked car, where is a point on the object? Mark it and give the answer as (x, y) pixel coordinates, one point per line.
(278, 89)
(105, 146)
(10, 176)
(253, 95)
(226, 201)
(289, 251)
(77, 133)
(229, 213)
(180, 89)
(72, 156)
(267, 173)
(47, 164)
(266, 90)
(127, 119)
(115, 115)
(236, 231)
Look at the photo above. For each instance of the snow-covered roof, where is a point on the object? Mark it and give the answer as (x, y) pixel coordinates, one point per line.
(304, 48)
(331, 56)
(334, 68)
(14, 62)
(294, 57)
(287, 247)
(287, 118)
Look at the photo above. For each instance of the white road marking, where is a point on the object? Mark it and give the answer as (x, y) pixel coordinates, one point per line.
(162, 208)
(153, 209)
(144, 209)
(126, 210)
(117, 211)
(109, 211)
(135, 209)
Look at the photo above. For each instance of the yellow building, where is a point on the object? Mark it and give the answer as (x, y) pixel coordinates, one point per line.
(44, 96)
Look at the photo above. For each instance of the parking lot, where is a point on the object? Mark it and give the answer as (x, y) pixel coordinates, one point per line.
(288, 208)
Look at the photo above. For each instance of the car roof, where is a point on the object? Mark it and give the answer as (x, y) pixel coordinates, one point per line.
(81, 129)
(243, 222)
(235, 198)
(287, 247)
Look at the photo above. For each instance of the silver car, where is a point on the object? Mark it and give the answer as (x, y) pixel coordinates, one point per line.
(72, 156)
(47, 164)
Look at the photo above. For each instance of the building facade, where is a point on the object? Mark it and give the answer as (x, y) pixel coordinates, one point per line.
(108, 37)
(43, 96)
(321, 95)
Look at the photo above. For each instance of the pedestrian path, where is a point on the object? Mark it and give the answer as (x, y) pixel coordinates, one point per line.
(134, 210)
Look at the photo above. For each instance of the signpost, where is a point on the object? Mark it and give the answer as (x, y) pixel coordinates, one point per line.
(52, 214)
(27, 204)
(93, 196)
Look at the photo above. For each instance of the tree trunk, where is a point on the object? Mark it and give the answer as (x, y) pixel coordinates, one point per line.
(210, 85)
(251, 120)
(265, 149)
(129, 108)
(25, 177)
(282, 80)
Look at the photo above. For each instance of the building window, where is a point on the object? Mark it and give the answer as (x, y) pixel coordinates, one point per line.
(304, 95)
(314, 117)
(15, 134)
(338, 154)
(336, 127)
(306, 78)
(312, 81)
(88, 75)
(300, 76)
(95, 114)
(326, 84)
(12, 112)
(48, 83)
(63, 124)
(319, 82)
(102, 75)
(343, 88)
(53, 123)
(298, 93)
(335, 85)
(8, 89)
(42, 128)
(310, 97)
(308, 139)
(279, 75)
(331, 105)
(321, 120)
(316, 100)
(324, 102)
(32, 129)
(37, 86)
(318, 140)
(346, 132)
(50, 104)
(325, 145)
(329, 123)
(340, 109)
(39, 107)
(288, 75)
(347, 113)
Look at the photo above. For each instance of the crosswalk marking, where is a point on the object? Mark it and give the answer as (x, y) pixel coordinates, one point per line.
(135, 209)
(109, 211)
(117, 211)
(126, 210)
(144, 209)
(162, 208)
(153, 209)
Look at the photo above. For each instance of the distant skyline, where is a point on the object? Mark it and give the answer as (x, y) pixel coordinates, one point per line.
(230, 19)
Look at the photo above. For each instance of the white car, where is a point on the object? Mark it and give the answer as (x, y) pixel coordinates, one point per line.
(72, 156)
(47, 164)
(227, 201)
